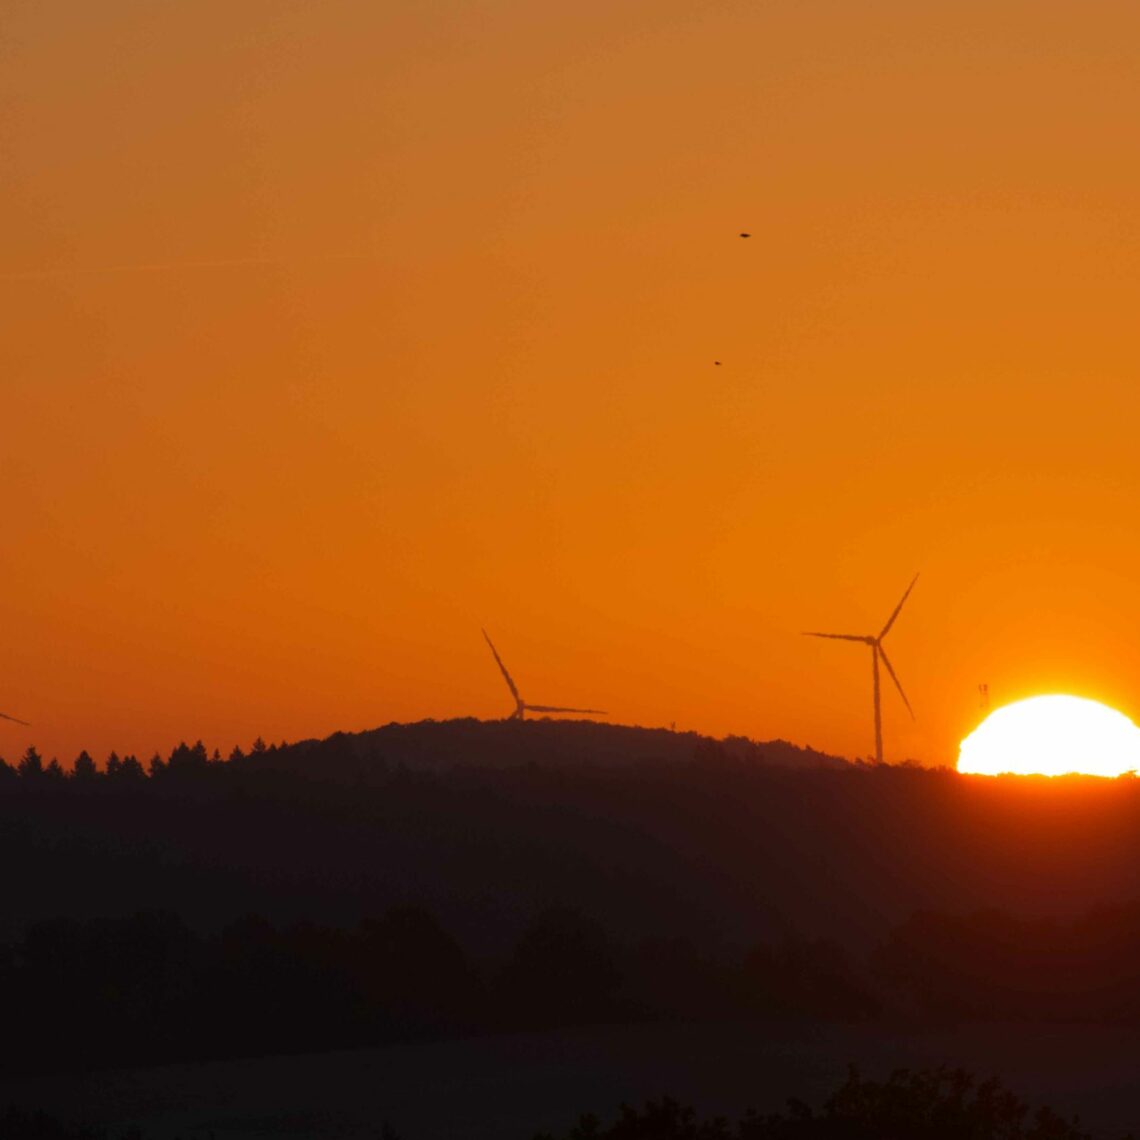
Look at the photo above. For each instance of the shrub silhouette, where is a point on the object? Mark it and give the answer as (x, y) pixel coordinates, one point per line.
(931, 1104)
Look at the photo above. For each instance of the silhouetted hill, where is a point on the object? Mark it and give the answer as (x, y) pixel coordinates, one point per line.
(435, 746)
(652, 834)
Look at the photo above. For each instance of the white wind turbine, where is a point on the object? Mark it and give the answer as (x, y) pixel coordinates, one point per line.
(877, 652)
(521, 707)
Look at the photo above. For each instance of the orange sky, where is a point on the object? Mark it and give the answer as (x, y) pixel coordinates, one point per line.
(424, 339)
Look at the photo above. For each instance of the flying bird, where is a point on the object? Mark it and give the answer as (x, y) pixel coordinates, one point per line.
(745, 235)
(717, 363)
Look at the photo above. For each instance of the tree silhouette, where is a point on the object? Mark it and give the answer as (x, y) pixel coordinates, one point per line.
(31, 765)
(132, 770)
(186, 759)
(84, 770)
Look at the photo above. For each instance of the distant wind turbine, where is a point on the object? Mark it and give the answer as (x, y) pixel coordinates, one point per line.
(877, 652)
(521, 707)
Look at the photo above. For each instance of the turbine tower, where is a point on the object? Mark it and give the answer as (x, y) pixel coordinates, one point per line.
(521, 707)
(877, 652)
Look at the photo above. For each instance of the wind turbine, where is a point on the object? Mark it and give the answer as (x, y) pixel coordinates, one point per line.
(521, 707)
(877, 652)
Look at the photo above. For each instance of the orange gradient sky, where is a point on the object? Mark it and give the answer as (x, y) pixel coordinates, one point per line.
(332, 332)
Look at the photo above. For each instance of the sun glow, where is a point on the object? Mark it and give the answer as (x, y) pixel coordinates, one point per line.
(1052, 736)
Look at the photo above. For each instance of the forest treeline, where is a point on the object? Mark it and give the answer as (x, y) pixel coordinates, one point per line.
(118, 771)
(432, 746)
(146, 988)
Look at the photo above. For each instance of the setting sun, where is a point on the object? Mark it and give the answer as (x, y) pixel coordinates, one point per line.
(1052, 736)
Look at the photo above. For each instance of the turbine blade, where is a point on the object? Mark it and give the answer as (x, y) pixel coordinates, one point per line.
(891, 619)
(503, 669)
(15, 719)
(839, 636)
(560, 709)
(887, 663)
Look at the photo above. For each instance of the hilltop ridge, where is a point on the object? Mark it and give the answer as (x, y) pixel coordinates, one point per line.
(431, 745)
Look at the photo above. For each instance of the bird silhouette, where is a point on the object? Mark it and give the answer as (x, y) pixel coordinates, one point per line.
(745, 235)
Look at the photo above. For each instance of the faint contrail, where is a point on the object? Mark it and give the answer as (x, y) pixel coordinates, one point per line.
(161, 266)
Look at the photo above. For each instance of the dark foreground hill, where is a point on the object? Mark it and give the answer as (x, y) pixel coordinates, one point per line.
(513, 1088)
(438, 879)
(485, 823)
(651, 833)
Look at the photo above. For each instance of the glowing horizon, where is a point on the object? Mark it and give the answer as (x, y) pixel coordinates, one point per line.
(1052, 735)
